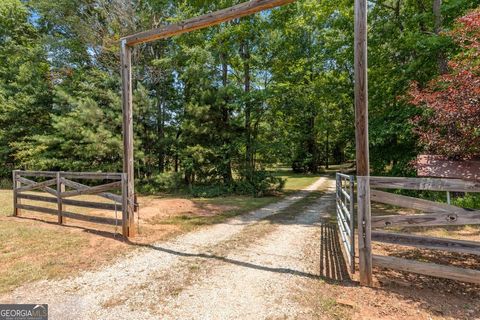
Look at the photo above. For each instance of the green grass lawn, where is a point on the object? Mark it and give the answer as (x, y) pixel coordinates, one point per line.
(239, 204)
(296, 181)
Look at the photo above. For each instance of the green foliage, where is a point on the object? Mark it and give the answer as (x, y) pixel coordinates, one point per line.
(216, 106)
(85, 134)
(165, 182)
(261, 183)
(470, 200)
(25, 95)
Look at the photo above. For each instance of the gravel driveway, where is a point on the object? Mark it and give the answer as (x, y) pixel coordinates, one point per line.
(250, 267)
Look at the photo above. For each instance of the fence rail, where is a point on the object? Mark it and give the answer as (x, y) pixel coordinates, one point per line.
(345, 215)
(433, 214)
(57, 193)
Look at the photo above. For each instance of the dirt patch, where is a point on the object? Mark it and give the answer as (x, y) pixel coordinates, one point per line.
(154, 210)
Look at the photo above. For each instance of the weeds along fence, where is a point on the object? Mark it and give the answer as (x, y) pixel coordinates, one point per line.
(433, 214)
(345, 205)
(60, 189)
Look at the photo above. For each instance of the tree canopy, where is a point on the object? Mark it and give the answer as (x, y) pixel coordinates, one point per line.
(221, 105)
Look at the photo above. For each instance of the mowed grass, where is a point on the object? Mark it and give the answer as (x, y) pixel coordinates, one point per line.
(296, 181)
(6, 202)
(33, 250)
(239, 205)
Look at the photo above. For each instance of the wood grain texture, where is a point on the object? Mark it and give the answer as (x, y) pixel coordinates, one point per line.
(451, 245)
(414, 203)
(125, 225)
(37, 185)
(43, 188)
(128, 161)
(79, 186)
(204, 21)
(429, 269)
(425, 220)
(96, 219)
(43, 174)
(76, 216)
(16, 185)
(364, 231)
(91, 190)
(361, 89)
(91, 175)
(38, 209)
(362, 144)
(431, 184)
(76, 203)
(60, 190)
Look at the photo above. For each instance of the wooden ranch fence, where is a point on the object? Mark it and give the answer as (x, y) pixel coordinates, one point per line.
(434, 214)
(345, 215)
(55, 184)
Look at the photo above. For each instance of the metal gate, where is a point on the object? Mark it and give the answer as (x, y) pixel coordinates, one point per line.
(345, 215)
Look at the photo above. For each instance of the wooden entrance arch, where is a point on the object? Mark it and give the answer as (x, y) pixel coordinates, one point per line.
(238, 11)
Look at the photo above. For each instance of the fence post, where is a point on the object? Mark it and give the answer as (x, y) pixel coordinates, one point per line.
(16, 184)
(352, 222)
(125, 225)
(60, 190)
(364, 231)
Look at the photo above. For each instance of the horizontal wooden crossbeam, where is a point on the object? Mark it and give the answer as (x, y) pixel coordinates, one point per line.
(77, 203)
(77, 216)
(424, 242)
(44, 188)
(92, 190)
(429, 269)
(431, 184)
(422, 220)
(37, 185)
(79, 186)
(206, 20)
(414, 203)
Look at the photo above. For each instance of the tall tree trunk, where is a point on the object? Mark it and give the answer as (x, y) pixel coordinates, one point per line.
(245, 54)
(161, 134)
(227, 174)
(437, 13)
(326, 151)
(312, 144)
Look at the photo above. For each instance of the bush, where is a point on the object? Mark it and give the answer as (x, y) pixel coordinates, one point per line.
(471, 201)
(6, 183)
(209, 191)
(166, 182)
(261, 183)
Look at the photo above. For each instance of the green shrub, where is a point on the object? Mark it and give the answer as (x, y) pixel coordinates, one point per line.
(261, 183)
(470, 200)
(6, 184)
(209, 191)
(162, 182)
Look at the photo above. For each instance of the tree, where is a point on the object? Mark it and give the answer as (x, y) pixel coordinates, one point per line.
(85, 135)
(450, 123)
(25, 82)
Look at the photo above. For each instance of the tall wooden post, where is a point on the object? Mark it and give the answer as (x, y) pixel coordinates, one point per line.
(362, 149)
(16, 184)
(128, 169)
(60, 190)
